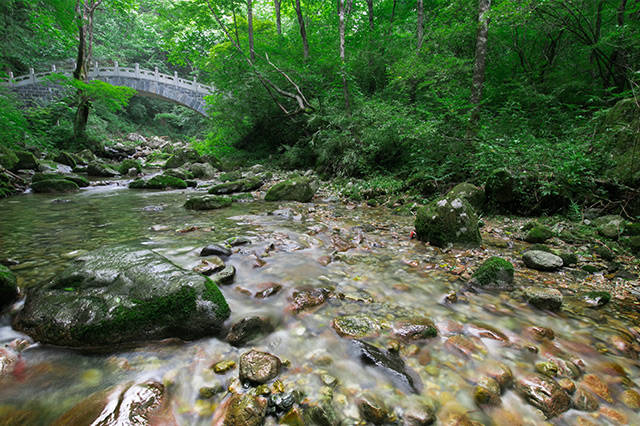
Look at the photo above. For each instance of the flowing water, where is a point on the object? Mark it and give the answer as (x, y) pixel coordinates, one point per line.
(376, 272)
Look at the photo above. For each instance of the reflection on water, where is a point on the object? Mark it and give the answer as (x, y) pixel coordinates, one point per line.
(372, 275)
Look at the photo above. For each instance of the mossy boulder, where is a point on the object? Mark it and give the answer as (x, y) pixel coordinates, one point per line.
(179, 173)
(53, 186)
(82, 182)
(544, 298)
(122, 294)
(448, 221)
(469, 192)
(8, 158)
(159, 182)
(8, 286)
(182, 156)
(65, 158)
(297, 189)
(129, 164)
(538, 234)
(230, 176)
(242, 185)
(26, 160)
(494, 272)
(202, 170)
(207, 202)
(610, 226)
(97, 169)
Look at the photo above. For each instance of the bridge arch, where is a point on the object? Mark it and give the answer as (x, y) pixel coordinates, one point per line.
(189, 93)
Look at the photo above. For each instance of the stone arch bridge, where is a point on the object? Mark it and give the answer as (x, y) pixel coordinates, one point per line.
(35, 88)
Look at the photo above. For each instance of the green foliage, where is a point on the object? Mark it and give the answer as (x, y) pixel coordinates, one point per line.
(13, 123)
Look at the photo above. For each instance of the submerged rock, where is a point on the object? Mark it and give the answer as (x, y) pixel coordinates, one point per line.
(248, 329)
(373, 409)
(584, 400)
(487, 392)
(543, 393)
(448, 221)
(258, 367)
(494, 272)
(241, 409)
(542, 260)
(355, 326)
(122, 294)
(299, 189)
(215, 250)
(8, 287)
(208, 202)
(544, 298)
(302, 299)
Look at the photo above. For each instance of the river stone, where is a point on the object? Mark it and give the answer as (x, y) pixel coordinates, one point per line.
(209, 266)
(448, 221)
(225, 276)
(26, 161)
(241, 409)
(469, 192)
(8, 286)
(100, 170)
(544, 298)
(65, 158)
(242, 185)
(215, 250)
(53, 186)
(298, 189)
(538, 234)
(584, 400)
(543, 393)
(610, 226)
(203, 170)
(164, 182)
(130, 404)
(182, 156)
(248, 329)
(122, 294)
(208, 202)
(487, 392)
(179, 173)
(78, 180)
(420, 412)
(416, 328)
(494, 272)
(355, 326)
(390, 364)
(258, 367)
(302, 299)
(373, 409)
(542, 261)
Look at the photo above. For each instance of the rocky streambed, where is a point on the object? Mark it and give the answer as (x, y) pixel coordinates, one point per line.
(335, 316)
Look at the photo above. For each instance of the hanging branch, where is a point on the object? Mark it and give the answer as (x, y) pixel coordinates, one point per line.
(270, 86)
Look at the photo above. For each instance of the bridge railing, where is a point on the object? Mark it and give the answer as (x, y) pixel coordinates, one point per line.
(116, 70)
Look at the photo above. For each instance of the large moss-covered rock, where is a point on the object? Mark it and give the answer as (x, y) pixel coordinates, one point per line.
(181, 157)
(610, 226)
(53, 186)
(494, 272)
(538, 234)
(26, 160)
(469, 192)
(207, 202)
(448, 221)
(203, 170)
(298, 189)
(8, 286)
(100, 170)
(242, 185)
(65, 158)
(122, 294)
(159, 182)
(128, 164)
(82, 182)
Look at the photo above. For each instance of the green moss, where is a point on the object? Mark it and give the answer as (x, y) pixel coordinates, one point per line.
(54, 186)
(82, 182)
(538, 234)
(230, 176)
(592, 269)
(632, 243)
(470, 192)
(138, 184)
(440, 223)
(129, 164)
(213, 294)
(632, 229)
(605, 253)
(243, 185)
(597, 298)
(179, 173)
(494, 270)
(164, 181)
(298, 189)
(568, 258)
(8, 158)
(66, 159)
(26, 160)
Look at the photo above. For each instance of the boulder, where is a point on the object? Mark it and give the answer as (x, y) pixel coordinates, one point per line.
(203, 170)
(610, 226)
(298, 189)
(542, 260)
(543, 393)
(215, 250)
(469, 192)
(159, 182)
(100, 170)
(241, 409)
(448, 221)
(122, 294)
(65, 158)
(82, 182)
(538, 234)
(248, 329)
(8, 287)
(180, 173)
(258, 367)
(494, 272)
(128, 164)
(53, 186)
(243, 185)
(26, 161)
(208, 202)
(181, 157)
(373, 409)
(544, 298)
(230, 176)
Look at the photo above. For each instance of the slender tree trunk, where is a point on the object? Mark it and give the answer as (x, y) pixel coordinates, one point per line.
(252, 53)
(393, 16)
(480, 63)
(303, 30)
(420, 29)
(276, 4)
(235, 26)
(345, 83)
(370, 12)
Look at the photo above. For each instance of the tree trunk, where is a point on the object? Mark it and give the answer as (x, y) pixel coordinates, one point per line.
(345, 83)
(479, 65)
(83, 14)
(303, 31)
(252, 53)
(420, 29)
(393, 16)
(370, 10)
(276, 4)
(235, 26)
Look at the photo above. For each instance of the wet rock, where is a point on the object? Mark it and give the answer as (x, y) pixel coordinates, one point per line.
(631, 399)
(65, 158)
(469, 192)
(420, 412)
(321, 414)
(8, 360)
(78, 180)
(302, 299)
(355, 326)
(390, 364)
(8, 287)
(544, 298)
(267, 289)
(501, 373)
(209, 266)
(208, 392)
(203, 170)
(207, 202)
(244, 409)
(568, 385)
(538, 234)
(215, 250)
(584, 400)
(248, 329)
(299, 189)
(540, 333)
(100, 170)
(242, 185)
(284, 401)
(131, 404)
(54, 186)
(258, 367)
(610, 226)
(543, 393)
(223, 366)
(294, 417)
(238, 241)
(494, 272)
(122, 294)
(164, 182)
(415, 329)
(461, 345)
(373, 409)
(542, 261)
(597, 299)
(448, 221)
(597, 386)
(225, 276)
(548, 368)
(182, 156)
(487, 392)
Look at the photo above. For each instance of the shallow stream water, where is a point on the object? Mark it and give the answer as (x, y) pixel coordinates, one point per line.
(375, 271)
